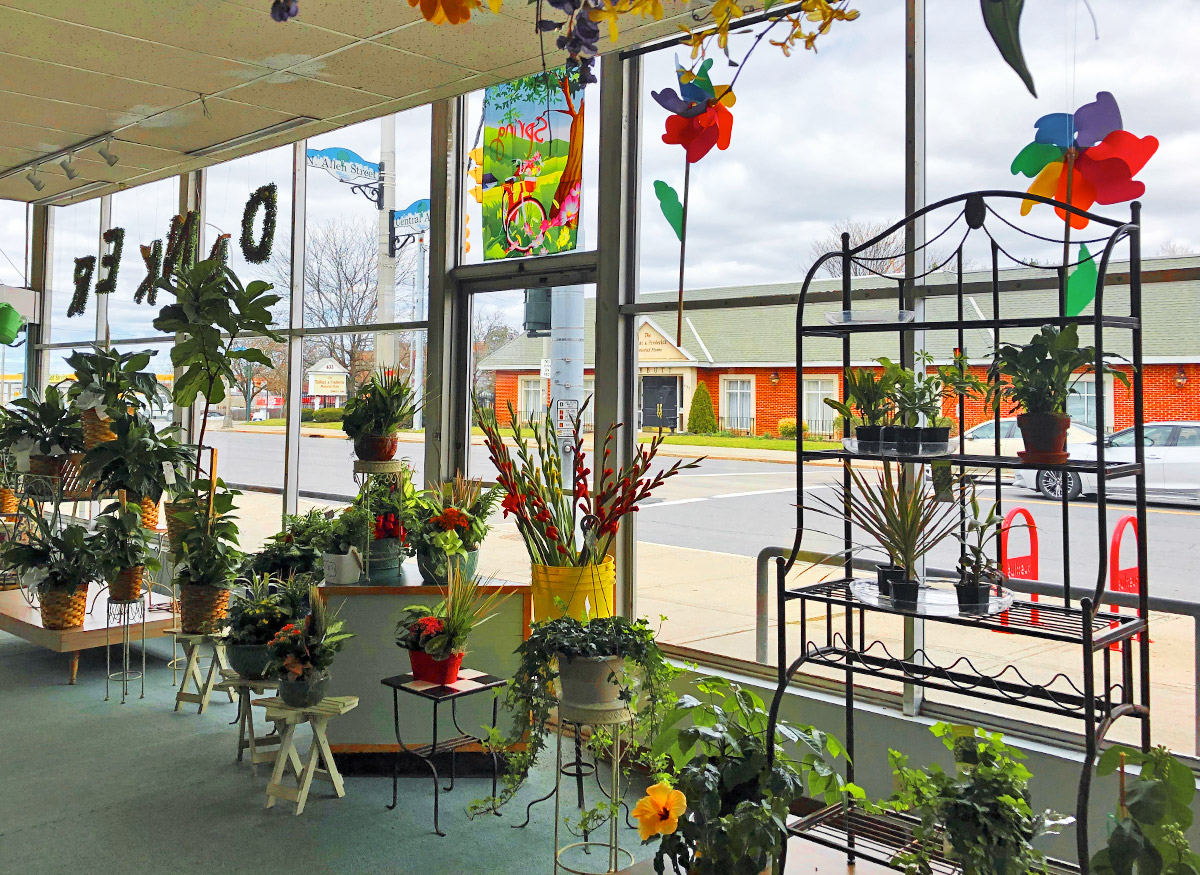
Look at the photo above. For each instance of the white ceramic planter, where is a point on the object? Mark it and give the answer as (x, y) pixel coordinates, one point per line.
(590, 691)
(342, 569)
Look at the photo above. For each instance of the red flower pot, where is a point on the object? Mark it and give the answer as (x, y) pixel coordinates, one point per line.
(435, 671)
(376, 448)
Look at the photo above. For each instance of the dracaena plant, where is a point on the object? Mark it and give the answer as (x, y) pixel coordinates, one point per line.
(976, 564)
(212, 310)
(112, 382)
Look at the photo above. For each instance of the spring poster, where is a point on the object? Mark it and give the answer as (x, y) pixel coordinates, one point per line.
(532, 165)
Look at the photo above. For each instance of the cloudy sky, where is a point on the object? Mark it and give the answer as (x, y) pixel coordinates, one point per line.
(816, 139)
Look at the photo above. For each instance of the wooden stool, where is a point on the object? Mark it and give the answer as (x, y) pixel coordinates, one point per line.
(318, 716)
(191, 671)
(246, 737)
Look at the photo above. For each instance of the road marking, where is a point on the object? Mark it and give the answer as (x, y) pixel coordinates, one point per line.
(733, 474)
(1112, 506)
(678, 501)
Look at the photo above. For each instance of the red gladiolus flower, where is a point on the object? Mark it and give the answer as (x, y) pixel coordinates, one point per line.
(563, 550)
(511, 503)
(552, 533)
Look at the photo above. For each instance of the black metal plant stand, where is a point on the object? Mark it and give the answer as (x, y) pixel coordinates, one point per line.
(1114, 684)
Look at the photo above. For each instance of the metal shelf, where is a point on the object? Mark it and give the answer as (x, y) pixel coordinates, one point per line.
(828, 330)
(966, 460)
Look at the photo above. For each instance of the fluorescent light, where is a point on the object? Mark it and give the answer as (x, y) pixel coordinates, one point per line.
(73, 193)
(107, 154)
(253, 137)
(32, 176)
(68, 167)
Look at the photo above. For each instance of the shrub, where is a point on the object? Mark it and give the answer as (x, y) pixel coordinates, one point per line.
(306, 415)
(328, 414)
(787, 427)
(701, 418)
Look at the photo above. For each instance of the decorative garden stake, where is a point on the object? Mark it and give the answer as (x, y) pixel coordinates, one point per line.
(84, 268)
(111, 261)
(260, 252)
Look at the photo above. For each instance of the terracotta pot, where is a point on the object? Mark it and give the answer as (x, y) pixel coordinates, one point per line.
(441, 672)
(62, 609)
(202, 609)
(1045, 436)
(376, 448)
(8, 501)
(127, 585)
(97, 429)
(587, 590)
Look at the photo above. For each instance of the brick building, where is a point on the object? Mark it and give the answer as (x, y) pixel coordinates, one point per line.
(746, 356)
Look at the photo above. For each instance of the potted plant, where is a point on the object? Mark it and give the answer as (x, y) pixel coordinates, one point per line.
(139, 462)
(255, 617)
(389, 505)
(978, 571)
(982, 810)
(901, 512)
(297, 549)
(1038, 378)
(9, 478)
(342, 560)
(551, 508)
(723, 803)
(57, 563)
(377, 411)
(110, 383)
(125, 549)
(1154, 812)
(301, 653)
(208, 557)
(449, 522)
(44, 433)
(871, 394)
(436, 638)
(212, 310)
(914, 395)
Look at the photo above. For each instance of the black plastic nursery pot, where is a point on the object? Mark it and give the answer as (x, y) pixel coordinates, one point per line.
(905, 593)
(885, 574)
(972, 596)
(934, 438)
(908, 441)
(868, 437)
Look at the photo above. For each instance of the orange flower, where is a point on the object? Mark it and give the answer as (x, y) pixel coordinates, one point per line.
(657, 813)
(446, 11)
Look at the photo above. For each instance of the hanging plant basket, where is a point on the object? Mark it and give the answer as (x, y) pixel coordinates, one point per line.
(149, 513)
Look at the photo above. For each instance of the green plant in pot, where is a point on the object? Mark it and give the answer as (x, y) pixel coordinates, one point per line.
(373, 417)
(982, 812)
(125, 546)
(208, 556)
(110, 383)
(978, 570)
(901, 511)
(42, 433)
(342, 560)
(256, 614)
(139, 461)
(389, 505)
(722, 805)
(1038, 378)
(302, 651)
(436, 638)
(296, 550)
(57, 564)
(585, 669)
(915, 395)
(449, 522)
(1148, 833)
(870, 394)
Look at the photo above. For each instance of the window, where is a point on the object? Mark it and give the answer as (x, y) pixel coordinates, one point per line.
(76, 235)
(817, 414)
(533, 398)
(1081, 404)
(985, 432)
(737, 403)
(589, 414)
(1189, 436)
(1152, 436)
(12, 243)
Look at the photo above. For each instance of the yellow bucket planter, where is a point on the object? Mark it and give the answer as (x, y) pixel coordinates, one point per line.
(586, 590)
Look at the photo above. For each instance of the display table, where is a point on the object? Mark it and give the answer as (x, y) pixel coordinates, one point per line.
(804, 858)
(367, 735)
(319, 763)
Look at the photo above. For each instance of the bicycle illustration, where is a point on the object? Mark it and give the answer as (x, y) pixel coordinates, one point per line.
(524, 214)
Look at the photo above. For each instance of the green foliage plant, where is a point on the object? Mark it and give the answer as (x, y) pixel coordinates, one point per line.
(1040, 376)
(381, 406)
(787, 428)
(308, 646)
(868, 392)
(464, 606)
(1154, 813)
(328, 414)
(451, 518)
(113, 382)
(701, 417)
(976, 563)
(54, 559)
(983, 808)
(208, 547)
(352, 528)
(48, 426)
(297, 548)
(915, 394)
(140, 460)
(256, 612)
(715, 750)
(122, 541)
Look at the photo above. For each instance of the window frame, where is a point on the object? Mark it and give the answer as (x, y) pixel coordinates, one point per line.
(722, 410)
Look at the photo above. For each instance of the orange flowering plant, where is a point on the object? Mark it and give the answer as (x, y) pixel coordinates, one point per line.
(450, 520)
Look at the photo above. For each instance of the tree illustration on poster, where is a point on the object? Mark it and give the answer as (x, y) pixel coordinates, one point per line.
(531, 176)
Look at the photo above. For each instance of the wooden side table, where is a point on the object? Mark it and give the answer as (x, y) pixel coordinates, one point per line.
(468, 684)
(319, 762)
(191, 671)
(244, 687)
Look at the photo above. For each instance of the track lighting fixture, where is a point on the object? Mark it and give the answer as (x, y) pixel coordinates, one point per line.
(107, 154)
(68, 167)
(32, 176)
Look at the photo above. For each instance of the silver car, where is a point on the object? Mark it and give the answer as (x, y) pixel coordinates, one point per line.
(1172, 466)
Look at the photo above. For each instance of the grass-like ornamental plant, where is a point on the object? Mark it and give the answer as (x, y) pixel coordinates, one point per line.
(442, 630)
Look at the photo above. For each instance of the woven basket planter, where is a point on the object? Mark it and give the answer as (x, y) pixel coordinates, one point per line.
(47, 466)
(8, 501)
(127, 585)
(75, 488)
(97, 429)
(174, 526)
(202, 609)
(149, 513)
(64, 610)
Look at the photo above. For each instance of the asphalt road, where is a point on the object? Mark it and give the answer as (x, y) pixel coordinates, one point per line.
(740, 507)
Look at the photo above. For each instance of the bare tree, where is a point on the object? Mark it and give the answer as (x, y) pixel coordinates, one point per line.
(886, 256)
(490, 330)
(1175, 249)
(254, 379)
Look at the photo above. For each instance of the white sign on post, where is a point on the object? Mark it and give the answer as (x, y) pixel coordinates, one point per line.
(545, 371)
(565, 415)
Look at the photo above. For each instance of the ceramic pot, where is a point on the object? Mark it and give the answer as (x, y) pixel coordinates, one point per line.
(868, 438)
(885, 574)
(587, 590)
(202, 609)
(342, 569)
(441, 672)
(62, 609)
(1045, 436)
(589, 688)
(304, 692)
(376, 448)
(427, 565)
(249, 660)
(905, 594)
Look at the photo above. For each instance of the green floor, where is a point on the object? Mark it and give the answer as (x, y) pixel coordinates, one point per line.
(88, 786)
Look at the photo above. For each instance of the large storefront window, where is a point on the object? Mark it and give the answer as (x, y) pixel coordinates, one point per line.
(76, 235)
(12, 242)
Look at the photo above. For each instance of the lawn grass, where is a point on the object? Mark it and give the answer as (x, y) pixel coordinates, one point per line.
(742, 442)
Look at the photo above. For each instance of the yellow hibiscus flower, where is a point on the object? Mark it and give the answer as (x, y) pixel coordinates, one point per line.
(657, 813)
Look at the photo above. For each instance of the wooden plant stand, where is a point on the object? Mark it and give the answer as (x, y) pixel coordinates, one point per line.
(319, 762)
(247, 740)
(191, 672)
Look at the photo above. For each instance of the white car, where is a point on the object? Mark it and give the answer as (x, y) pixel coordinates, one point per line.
(1172, 465)
(981, 441)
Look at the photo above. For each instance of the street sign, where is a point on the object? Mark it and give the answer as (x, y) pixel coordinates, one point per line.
(545, 370)
(414, 217)
(344, 165)
(566, 412)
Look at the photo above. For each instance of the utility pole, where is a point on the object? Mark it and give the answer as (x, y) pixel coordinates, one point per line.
(418, 344)
(566, 367)
(385, 311)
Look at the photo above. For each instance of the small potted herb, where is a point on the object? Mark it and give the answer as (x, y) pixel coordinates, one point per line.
(42, 434)
(982, 810)
(381, 407)
(58, 564)
(208, 557)
(1038, 378)
(449, 522)
(342, 560)
(436, 638)
(139, 461)
(255, 617)
(301, 653)
(125, 547)
(109, 384)
(723, 803)
(978, 571)
(870, 394)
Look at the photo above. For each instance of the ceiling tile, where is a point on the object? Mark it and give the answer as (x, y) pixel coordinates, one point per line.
(40, 140)
(296, 95)
(363, 18)
(381, 70)
(40, 78)
(84, 121)
(489, 41)
(188, 128)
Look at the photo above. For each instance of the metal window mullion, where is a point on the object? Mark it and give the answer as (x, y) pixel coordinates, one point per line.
(295, 342)
(102, 300)
(41, 274)
(190, 195)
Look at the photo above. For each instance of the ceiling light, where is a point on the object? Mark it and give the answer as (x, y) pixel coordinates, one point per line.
(252, 137)
(68, 167)
(32, 176)
(107, 154)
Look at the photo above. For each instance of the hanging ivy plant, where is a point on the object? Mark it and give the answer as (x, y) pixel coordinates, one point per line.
(220, 250)
(153, 256)
(111, 261)
(84, 268)
(260, 252)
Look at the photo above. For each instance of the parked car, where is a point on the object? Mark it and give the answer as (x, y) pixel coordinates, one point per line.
(259, 416)
(1172, 465)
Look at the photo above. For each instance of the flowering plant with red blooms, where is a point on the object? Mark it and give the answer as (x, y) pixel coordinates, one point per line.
(442, 631)
(450, 519)
(549, 511)
(299, 649)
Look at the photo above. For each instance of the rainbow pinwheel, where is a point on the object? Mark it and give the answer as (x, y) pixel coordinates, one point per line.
(1084, 157)
(699, 117)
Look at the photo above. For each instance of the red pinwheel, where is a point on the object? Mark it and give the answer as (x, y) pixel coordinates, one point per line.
(699, 116)
(1083, 158)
